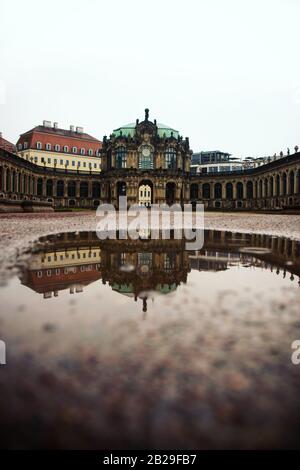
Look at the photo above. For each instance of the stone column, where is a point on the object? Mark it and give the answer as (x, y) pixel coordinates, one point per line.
(254, 189)
(288, 186)
(90, 188)
(274, 186)
(234, 191)
(35, 186)
(223, 190)
(44, 187)
(66, 187)
(54, 188)
(281, 185)
(296, 182)
(77, 191)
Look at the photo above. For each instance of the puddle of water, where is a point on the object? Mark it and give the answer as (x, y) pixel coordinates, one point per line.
(136, 308)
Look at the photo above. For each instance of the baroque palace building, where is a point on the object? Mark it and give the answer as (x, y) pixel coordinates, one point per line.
(146, 161)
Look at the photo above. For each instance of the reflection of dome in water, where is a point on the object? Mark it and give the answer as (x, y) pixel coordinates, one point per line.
(128, 290)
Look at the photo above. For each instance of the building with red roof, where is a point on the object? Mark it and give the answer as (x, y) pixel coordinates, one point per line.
(48, 145)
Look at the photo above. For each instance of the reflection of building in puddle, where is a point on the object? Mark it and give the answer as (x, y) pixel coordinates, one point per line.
(48, 272)
(225, 249)
(136, 268)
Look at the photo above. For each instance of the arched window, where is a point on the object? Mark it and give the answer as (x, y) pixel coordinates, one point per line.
(60, 188)
(49, 188)
(48, 146)
(266, 187)
(170, 158)
(292, 182)
(82, 151)
(20, 146)
(284, 184)
(39, 187)
(218, 191)
(240, 190)
(229, 191)
(84, 189)
(57, 147)
(206, 191)
(194, 191)
(146, 158)
(121, 157)
(271, 186)
(39, 145)
(249, 190)
(74, 149)
(90, 152)
(95, 189)
(71, 189)
(66, 148)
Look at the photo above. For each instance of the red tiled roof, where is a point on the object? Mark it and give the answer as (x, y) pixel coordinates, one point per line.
(61, 132)
(6, 145)
(55, 136)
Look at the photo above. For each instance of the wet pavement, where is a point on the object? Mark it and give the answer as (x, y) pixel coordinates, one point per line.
(111, 344)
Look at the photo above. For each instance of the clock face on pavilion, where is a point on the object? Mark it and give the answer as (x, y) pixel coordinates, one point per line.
(146, 151)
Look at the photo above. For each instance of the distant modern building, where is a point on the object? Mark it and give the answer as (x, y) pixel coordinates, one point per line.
(52, 147)
(215, 161)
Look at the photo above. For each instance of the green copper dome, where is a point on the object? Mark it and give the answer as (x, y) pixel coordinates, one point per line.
(129, 130)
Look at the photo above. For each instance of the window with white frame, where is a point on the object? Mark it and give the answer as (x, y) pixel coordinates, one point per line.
(20, 146)
(66, 148)
(82, 151)
(48, 146)
(74, 149)
(25, 145)
(90, 152)
(57, 148)
(39, 145)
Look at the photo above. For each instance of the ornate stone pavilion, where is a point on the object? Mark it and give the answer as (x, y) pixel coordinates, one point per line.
(146, 161)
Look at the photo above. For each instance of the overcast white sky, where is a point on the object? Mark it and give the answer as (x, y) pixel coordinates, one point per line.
(226, 73)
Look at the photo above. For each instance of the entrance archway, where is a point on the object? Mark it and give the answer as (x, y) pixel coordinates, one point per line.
(170, 193)
(145, 195)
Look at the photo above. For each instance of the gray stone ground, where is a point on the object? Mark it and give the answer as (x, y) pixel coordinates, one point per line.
(199, 377)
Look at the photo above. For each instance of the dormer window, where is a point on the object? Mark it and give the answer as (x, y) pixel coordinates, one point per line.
(57, 147)
(66, 148)
(20, 146)
(74, 149)
(25, 145)
(48, 146)
(90, 152)
(39, 145)
(82, 151)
